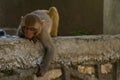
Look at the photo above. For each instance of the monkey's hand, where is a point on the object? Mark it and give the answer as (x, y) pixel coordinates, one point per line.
(41, 70)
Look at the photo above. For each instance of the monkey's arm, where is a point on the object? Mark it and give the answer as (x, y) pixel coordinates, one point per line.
(49, 51)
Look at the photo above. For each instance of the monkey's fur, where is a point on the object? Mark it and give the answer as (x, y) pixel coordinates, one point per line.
(48, 21)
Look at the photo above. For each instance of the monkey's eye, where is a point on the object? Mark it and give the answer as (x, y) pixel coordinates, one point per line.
(32, 29)
(29, 28)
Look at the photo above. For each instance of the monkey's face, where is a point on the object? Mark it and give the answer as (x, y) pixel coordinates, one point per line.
(30, 31)
(32, 26)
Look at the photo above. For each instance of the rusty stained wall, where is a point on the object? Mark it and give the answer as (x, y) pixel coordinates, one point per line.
(75, 15)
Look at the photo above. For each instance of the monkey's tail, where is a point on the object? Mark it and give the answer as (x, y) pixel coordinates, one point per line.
(53, 13)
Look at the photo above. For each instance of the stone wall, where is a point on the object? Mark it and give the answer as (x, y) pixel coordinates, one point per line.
(18, 57)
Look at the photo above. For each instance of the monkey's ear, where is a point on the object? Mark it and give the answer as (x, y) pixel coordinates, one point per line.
(42, 22)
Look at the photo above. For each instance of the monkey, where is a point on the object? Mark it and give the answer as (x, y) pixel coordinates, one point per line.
(41, 25)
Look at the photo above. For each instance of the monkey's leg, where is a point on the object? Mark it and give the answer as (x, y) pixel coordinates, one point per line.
(53, 13)
(68, 74)
(54, 29)
(114, 70)
(79, 76)
(98, 71)
(65, 73)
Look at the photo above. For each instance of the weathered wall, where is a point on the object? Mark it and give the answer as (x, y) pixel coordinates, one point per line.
(111, 17)
(79, 15)
(18, 56)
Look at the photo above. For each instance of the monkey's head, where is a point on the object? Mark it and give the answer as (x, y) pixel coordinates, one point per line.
(31, 26)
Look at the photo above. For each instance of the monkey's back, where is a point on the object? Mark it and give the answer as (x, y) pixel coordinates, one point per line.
(42, 14)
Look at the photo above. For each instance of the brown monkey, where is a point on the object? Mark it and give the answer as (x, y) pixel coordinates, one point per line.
(40, 25)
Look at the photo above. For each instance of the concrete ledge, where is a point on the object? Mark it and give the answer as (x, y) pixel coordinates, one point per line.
(23, 54)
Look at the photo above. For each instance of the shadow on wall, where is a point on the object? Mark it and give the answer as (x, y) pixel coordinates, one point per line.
(75, 16)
